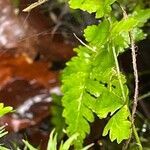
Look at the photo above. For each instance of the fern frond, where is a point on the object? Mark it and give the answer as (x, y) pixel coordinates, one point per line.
(75, 77)
(92, 82)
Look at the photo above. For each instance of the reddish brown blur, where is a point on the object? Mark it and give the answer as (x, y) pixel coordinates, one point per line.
(24, 81)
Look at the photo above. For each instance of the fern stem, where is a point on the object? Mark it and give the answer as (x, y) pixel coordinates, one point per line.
(118, 72)
(135, 70)
(137, 137)
(135, 75)
(136, 92)
(87, 46)
(135, 101)
(123, 94)
(134, 131)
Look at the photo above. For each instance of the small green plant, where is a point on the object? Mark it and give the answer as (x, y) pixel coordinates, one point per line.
(53, 144)
(3, 111)
(2, 131)
(92, 82)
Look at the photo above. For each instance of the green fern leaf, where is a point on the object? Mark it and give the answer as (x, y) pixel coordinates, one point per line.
(76, 112)
(101, 7)
(119, 127)
(116, 31)
(4, 110)
(106, 89)
(142, 16)
(97, 35)
(125, 25)
(87, 89)
(92, 82)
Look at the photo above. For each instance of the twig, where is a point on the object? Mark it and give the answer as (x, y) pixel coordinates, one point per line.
(87, 46)
(136, 90)
(135, 70)
(33, 5)
(135, 101)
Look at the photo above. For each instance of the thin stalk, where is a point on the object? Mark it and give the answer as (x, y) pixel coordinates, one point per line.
(136, 91)
(123, 94)
(134, 131)
(33, 5)
(137, 137)
(135, 70)
(87, 46)
(118, 72)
